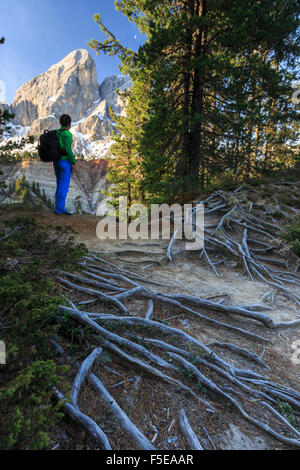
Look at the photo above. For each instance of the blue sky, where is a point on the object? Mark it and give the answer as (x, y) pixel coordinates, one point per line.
(39, 33)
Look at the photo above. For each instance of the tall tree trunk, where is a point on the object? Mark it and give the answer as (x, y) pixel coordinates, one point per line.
(196, 151)
(183, 165)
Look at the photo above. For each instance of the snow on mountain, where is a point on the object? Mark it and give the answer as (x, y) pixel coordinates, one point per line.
(69, 87)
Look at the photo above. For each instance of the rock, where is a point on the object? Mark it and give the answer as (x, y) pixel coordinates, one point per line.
(70, 87)
(4, 106)
(108, 92)
(67, 87)
(237, 440)
(25, 110)
(98, 123)
(87, 182)
(39, 125)
(95, 128)
(104, 207)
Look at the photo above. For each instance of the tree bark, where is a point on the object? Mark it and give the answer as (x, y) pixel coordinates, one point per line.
(196, 153)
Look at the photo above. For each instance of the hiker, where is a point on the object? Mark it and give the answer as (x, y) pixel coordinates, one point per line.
(64, 166)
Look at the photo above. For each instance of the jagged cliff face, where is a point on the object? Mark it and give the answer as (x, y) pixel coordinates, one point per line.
(69, 87)
(86, 189)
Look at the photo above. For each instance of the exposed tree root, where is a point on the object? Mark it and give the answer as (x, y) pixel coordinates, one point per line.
(87, 423)
(82, 373)
(128, 426)
(242, 217)
(243, 352)
(143, 339)
(214, 388)
(190, 436)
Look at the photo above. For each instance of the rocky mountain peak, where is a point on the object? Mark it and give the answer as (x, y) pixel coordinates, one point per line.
(71, 87)
(108, 91)
(67, 87)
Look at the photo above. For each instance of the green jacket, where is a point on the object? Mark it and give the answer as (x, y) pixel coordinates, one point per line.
(65, 141)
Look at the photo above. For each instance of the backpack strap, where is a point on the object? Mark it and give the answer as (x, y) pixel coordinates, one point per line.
(57, 133)
(61, 130)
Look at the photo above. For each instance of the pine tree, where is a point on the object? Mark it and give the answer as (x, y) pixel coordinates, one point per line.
(5, 117)
(22, 189)
(38, 189)
(210, 87)
(124, 169)
(3, 185)
(218, 76)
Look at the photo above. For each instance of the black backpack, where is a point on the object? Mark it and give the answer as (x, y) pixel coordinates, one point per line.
(48, 147)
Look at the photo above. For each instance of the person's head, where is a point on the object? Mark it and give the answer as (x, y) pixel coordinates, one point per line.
(65, 121)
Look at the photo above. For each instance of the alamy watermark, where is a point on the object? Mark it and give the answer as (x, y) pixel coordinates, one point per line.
(296, 94)
(2, 353)
(137, 222)
(296, 354)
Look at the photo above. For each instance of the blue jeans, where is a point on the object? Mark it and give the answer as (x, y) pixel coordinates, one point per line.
(62, 170)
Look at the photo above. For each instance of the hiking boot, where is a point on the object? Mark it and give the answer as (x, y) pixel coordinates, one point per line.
(63, 213)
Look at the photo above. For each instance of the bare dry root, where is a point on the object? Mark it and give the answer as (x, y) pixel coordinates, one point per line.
(248, 233)
(125, 422)
(84, 421)
(191, 438)
(143, 341)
